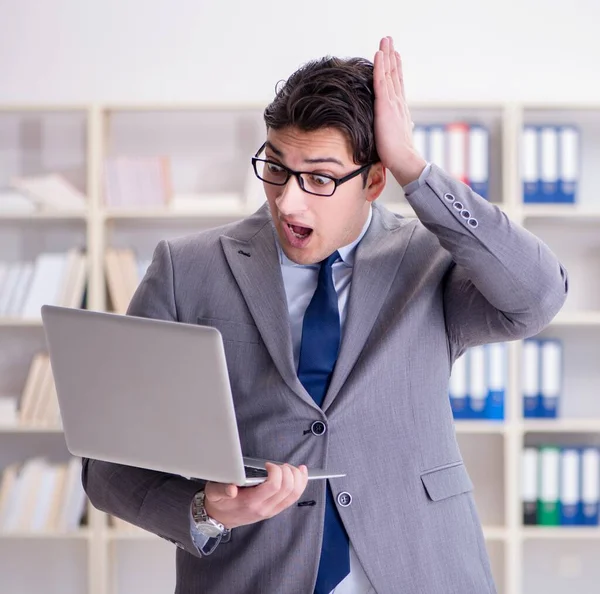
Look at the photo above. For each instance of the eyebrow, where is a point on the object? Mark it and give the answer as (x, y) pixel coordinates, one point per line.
(312, 161)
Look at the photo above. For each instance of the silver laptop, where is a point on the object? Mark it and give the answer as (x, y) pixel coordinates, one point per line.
(148, 393)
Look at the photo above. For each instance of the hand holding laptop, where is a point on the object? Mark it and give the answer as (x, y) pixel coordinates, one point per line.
(237, 506)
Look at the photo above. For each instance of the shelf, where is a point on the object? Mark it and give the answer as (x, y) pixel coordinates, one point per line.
(559, 106)
(571, 212)
(82, 534)
(210, 185)
(56, 215)
(485, 427)
(561, 532)
(494, 533)
(174, 215)
(448, 105)
(561, 426)
(184, 106)
(577, 318)
(20, 323)
(43, 107)
(24, 429)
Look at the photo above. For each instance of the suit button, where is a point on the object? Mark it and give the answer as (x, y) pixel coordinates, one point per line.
(318, 428)
(465, 214)
(344, 499)
(458, 205)
(473, 223)
(449, 197)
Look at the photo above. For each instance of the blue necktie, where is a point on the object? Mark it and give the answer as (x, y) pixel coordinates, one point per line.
(318, 354)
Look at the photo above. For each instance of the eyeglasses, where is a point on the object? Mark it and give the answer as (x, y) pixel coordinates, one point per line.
(318, 184)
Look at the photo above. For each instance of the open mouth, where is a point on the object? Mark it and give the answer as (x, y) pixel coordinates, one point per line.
(297, 236)
(300, 232)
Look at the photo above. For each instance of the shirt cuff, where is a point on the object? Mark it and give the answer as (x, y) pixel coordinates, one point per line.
(417, 183)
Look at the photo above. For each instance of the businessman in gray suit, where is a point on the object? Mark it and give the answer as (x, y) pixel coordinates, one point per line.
(341, 322)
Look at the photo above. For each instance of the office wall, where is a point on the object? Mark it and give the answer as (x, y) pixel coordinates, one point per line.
(200, 50)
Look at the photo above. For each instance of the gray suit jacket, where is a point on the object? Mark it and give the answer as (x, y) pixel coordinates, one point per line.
(422, 292)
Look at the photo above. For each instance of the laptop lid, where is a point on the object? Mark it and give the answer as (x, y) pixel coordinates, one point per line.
(144, 392)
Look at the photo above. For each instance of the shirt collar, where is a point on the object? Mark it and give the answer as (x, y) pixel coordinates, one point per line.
(347, 253)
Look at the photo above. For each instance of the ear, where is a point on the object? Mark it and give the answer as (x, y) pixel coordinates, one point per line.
(375, 182)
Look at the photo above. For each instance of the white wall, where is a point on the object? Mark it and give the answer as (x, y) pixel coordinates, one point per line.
(197, 50)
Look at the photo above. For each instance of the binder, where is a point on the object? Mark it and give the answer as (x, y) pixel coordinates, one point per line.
(529, 485)
(497, 371)
(478, 384)
(549, 486)
(531, 378)
(458, 388)
(531, 164)
(549, 163)
(590, 485)
(437, 145)
(568, 173)
(479, 160)
(458, 146)
(570, 487)
(551, 377)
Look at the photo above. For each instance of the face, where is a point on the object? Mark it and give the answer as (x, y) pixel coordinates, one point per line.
(310, 228)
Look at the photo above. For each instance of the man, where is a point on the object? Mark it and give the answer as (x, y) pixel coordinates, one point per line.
(341, 322)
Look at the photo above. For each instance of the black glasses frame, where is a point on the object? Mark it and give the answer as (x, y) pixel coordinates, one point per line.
(298, 174)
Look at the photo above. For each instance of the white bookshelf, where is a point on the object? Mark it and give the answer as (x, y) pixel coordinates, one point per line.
(210, 148)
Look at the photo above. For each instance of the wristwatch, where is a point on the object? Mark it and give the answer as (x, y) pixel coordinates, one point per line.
(206, 525)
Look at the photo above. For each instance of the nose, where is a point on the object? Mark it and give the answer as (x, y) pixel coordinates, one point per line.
(292, 198)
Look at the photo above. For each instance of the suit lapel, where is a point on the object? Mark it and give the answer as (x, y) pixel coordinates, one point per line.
(378, 257)
(255, 265)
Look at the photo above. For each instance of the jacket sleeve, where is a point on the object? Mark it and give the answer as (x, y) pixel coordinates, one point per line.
(504, 282)
(155, 501)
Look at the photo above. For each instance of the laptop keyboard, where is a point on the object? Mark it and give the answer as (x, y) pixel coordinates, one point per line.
(255, 472)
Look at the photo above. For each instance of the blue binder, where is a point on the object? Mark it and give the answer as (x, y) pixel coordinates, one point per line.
(570, 486)
(458, 388)
(568, 172)
(590, 485)
(496, 363)
(549, 163)
(551, 368)
(530, 162)
(479, 160)
(530, 375)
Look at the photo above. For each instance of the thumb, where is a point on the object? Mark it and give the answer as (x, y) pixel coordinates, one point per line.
(215, 492)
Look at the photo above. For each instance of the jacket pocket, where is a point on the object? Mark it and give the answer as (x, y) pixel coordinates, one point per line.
(446, 481)
(233, 331)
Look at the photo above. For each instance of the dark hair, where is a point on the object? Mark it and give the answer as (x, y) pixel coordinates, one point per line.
(330, 93)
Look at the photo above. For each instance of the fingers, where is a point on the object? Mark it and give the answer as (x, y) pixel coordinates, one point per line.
(300, 480)
(397, 73)
(293, 483)
(387, 64)
(379, 79)
(388, 75)
(281, 489)
(286, 485)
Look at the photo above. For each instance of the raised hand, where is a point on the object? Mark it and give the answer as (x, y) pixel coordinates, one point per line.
(393, 123)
